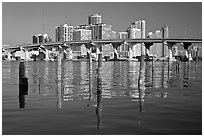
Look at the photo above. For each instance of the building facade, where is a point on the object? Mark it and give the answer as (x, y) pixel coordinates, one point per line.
(81, 34)
(123, 49)
(101, 31)
(64, 33)
(159, 49)
(41, 38)
(134, 33)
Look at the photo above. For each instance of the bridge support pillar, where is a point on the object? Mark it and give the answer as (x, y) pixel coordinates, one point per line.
(115, 46)
(8, 55)
(64, 54)
(130, 48)
(70, 54)
(98, 50)
(45, 51)
(170, 47)
(147, 48)
(189, 56)
(187, 52)
(26, 57)
(46, 54)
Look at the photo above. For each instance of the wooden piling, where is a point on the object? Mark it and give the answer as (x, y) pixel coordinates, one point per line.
(141, 83)
(100, 61)
(99, 93)
(153, 72)
(23, 84)
(196, 58)
(90, 75)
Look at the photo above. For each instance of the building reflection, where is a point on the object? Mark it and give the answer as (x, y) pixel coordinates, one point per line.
(68, 81)
(186, 74)
(35, 77)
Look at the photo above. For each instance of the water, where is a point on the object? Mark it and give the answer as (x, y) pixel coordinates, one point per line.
(163, 102)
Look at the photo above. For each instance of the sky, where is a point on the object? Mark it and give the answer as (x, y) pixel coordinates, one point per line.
(22, 20)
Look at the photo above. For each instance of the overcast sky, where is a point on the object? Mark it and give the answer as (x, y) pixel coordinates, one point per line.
(20, 21)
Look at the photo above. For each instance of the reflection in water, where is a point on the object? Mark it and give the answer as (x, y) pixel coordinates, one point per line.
(186, 74)
(68, 81)
(119, 79)
(36, 86)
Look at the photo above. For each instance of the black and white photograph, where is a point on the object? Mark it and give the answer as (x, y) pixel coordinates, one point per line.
(101, 68)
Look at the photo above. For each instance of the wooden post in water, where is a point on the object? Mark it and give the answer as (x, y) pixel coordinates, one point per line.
(99, 92)
(196, 56)
(90, 74)
(141, 83)
(177, 64)
(153, 72)
(59, 80)
(23, 84)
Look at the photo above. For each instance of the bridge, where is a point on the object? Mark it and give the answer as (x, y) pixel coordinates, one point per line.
(98, 44)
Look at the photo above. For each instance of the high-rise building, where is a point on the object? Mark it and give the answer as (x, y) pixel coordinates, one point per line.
(94, 19)
(64, 33)
(82, 34)
(113, 35)
(35, 39)
(159, 49)
(134, 33)
(87, 27)
(41, 38)
(139, 24)
(101, 31)
(143, 29)
(123, 35)
(123, 49)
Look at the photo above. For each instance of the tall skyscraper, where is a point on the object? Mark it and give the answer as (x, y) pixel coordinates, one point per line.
(41, 38)
(123, 49)
(94, 19)
(87, 27)
(159, 49)
(101, 31)
(64, 33)
(139, 24)
(143, 29)
(82, 34)
(113, 35)
(35, 39)
(134, 33)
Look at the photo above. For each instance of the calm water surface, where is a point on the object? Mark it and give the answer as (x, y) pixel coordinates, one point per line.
(166, 101)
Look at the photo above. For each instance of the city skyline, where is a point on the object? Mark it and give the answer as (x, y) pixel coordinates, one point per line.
(27, 19)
